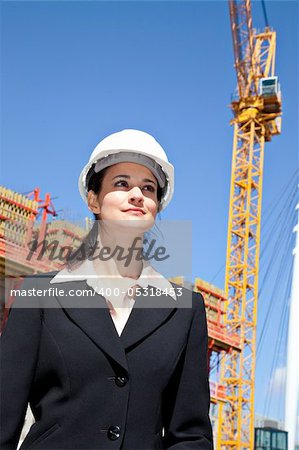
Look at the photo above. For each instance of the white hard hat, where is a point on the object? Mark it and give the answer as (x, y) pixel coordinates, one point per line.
(131, 146)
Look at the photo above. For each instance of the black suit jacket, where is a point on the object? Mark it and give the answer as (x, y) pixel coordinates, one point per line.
(89, 388)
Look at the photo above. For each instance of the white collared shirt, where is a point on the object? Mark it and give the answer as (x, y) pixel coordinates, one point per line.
(115, 288)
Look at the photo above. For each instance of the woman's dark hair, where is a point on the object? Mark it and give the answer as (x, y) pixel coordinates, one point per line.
(95, 181)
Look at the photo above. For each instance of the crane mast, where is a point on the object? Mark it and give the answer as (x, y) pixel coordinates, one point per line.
(257, 117)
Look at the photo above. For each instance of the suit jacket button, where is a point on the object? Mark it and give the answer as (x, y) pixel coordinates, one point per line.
(121, 381)
(114, 432)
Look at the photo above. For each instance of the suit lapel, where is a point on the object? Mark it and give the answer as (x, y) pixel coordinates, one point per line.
(148, 314)
(94, 319)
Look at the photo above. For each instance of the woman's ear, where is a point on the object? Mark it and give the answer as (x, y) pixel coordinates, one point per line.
(93, 202)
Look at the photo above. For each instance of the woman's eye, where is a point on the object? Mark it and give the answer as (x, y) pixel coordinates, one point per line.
(121, 183)
(149, 187)
(125, 184)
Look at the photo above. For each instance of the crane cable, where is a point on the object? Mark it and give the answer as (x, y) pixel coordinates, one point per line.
(287, 241)
(265, 13)
(284, 241)
(280, 347)
(283, 326)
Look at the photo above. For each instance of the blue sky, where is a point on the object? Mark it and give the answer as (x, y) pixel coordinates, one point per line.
(73, 72)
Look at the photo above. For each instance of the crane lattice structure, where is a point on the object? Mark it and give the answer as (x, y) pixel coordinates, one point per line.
(257, 117)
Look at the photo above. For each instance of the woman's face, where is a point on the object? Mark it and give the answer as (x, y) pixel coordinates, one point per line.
(129, 192)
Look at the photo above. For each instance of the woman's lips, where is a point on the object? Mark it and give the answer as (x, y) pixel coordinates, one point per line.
(137, 212)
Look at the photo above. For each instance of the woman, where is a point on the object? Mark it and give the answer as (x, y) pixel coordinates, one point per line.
(125, 366)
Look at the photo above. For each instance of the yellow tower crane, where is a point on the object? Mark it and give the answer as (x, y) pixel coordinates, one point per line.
(257, 117)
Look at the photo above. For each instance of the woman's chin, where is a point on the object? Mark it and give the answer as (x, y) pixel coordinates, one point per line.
(133, 223)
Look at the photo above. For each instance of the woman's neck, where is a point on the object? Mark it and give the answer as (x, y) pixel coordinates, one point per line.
(125, 253)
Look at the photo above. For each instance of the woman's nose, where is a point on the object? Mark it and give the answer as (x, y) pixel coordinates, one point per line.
(135, 194)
